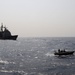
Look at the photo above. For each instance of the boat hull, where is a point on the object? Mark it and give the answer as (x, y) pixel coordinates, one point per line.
(12, 37)
(64, 53)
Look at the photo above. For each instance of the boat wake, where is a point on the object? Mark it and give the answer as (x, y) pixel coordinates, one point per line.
(49, 54)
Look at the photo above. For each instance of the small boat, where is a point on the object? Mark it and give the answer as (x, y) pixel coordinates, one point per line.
(63, 52)
(5, 34)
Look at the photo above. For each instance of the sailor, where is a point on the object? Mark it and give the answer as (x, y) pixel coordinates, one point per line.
(58, 50)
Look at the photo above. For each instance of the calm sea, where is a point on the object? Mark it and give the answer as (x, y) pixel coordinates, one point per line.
(34, 56)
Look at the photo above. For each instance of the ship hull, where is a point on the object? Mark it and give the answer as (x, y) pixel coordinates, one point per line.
(12, 37)
(64, 53)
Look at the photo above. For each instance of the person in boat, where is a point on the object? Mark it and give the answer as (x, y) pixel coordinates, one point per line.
(59, 50)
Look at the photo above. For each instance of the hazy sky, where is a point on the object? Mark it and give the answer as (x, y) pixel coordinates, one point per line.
(39, 18)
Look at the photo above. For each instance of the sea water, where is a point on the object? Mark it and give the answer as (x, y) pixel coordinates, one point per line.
(35, 56)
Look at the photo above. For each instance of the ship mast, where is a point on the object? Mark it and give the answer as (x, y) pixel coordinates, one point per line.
(2, 27)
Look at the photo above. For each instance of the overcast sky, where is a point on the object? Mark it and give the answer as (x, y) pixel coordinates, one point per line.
(39, 18)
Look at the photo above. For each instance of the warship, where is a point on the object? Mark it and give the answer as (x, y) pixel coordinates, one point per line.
(5, 34)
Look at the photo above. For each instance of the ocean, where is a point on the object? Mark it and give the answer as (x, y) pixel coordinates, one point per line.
(35, 56)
